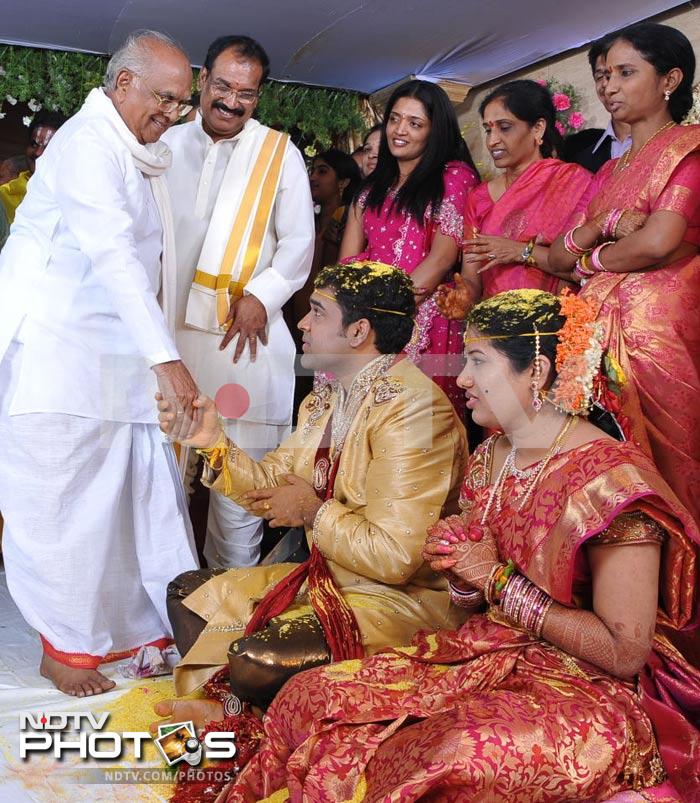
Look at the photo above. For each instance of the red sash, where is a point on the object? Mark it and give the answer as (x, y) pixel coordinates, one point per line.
(337, 619)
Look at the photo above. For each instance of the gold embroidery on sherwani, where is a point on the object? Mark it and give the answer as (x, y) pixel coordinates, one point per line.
(390, 487)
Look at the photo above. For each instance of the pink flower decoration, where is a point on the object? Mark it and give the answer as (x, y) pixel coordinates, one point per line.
(541, 82)
(576, 120)
(561, 128)
(561, 101)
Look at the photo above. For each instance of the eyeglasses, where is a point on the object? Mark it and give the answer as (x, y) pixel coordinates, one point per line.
(222, 90)
(168, 105)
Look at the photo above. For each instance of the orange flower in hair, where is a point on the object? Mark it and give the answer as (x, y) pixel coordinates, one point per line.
(579, 353)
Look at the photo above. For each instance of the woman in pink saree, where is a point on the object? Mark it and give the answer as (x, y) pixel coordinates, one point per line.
(563, 689)
(637, 251)
(510, 221)
(409, 214)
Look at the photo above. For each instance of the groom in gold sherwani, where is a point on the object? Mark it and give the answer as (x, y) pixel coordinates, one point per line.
(377, 457)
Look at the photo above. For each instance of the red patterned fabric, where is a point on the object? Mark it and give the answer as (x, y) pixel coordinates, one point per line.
(490, 712)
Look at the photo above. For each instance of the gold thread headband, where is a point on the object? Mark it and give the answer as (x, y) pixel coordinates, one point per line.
(506, 337)
(374, 309)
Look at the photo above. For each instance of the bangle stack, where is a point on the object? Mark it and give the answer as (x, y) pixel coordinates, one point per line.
(610, 224)
(497, 581)
(595, 262)
(525, 604)
(570, 244)
(582, 269)
(471, 600)
(589, 263)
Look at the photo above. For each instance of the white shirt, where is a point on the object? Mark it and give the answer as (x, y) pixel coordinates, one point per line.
(617, 146)
(79, 279)
(194, 181)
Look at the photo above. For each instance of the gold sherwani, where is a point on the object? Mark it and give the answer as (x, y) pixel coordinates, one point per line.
(400, 471)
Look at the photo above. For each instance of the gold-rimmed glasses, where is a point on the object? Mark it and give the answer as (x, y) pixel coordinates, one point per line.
(221, 90)
(168, 105)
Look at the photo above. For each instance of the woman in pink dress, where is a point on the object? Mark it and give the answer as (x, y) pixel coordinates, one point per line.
(510, 221)
(637, 252)
(409, 214)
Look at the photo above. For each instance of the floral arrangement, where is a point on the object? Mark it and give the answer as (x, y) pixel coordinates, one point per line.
(579, 354)
(567, 105)
(693, 116)
(61, 80)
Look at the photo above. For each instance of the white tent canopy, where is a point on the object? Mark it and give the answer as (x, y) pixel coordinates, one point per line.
(353, 44)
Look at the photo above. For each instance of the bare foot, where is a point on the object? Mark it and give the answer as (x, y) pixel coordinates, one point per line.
(199, 711)
(76, 682)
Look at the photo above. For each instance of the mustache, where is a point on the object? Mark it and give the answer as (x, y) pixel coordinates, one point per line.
(238, 111)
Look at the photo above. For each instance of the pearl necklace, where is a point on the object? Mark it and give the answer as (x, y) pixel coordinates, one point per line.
(532, 473)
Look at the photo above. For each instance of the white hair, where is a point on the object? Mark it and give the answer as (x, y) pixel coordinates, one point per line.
(133, 56)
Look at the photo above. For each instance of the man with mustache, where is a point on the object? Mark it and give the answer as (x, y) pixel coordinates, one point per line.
(244, 234)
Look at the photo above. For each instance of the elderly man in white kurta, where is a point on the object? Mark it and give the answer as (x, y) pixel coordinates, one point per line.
(89, 491)
(244, 231)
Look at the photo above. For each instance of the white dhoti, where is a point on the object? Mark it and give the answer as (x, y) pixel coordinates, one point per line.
(95, 527)
(234, 536)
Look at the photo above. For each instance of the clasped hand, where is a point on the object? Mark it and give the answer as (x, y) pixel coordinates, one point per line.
(448, 549)
(200, 431)
(292, 505)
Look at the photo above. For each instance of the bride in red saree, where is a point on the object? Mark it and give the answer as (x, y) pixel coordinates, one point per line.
(563, 689)
(638, 251)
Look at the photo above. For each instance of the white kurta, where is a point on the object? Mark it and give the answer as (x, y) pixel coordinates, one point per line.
(194, 180)
(83, 466)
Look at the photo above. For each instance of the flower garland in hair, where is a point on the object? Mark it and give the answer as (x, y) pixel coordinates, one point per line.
(578, 357)
(567, 105)
(693, 116)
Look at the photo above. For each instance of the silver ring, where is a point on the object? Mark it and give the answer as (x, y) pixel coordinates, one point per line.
(232, 706)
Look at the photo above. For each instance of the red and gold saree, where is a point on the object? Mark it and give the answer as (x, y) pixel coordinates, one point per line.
(490, 712)
(651, 317)
(540, 203)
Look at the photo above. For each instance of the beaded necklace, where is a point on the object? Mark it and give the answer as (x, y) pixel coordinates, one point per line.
(533, 473)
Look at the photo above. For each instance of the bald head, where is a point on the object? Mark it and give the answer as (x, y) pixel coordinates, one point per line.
(149, 79)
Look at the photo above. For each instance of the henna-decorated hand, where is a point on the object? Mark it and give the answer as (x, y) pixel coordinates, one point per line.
(439, 544)
(472, 561)
(454, 302)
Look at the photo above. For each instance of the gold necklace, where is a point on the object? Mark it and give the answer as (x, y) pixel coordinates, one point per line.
(625, 158)
(540, 467)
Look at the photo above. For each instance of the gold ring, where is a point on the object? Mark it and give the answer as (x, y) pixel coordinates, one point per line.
(266, 506)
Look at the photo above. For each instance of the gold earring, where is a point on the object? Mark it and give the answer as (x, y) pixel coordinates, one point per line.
(534, 385)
